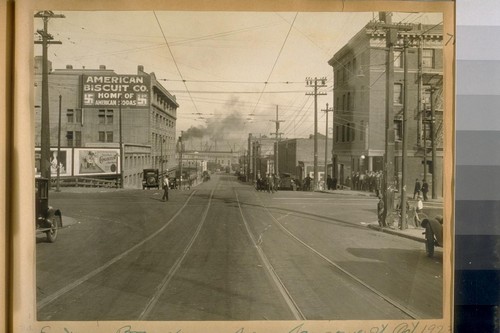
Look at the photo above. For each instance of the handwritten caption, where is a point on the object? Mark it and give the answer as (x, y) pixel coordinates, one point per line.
(400, 327)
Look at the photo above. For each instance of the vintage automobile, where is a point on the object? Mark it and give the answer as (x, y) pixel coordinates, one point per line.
(47, 218)
(433, 234)
(150, 178)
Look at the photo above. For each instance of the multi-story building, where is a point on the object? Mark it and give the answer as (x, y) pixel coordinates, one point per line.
(359, 122)
(92, 124)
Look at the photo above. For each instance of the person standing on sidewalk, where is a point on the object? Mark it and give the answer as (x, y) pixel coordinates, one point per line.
(418, 187)
(166, 186)
(425, 189)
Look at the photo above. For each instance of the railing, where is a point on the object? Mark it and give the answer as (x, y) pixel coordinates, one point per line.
(84, 182)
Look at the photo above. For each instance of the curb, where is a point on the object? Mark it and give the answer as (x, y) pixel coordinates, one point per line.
(396, 232)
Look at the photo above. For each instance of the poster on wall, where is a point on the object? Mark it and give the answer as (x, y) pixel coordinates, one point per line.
(61, 160)
(97, 162)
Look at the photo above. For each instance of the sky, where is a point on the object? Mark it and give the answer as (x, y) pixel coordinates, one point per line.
(217, 63)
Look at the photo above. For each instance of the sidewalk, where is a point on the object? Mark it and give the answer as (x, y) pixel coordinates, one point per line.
(410, 233)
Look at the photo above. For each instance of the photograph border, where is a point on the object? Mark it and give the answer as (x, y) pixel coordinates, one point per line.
(23, 303)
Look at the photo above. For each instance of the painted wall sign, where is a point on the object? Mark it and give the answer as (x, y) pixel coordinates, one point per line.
(107, 91)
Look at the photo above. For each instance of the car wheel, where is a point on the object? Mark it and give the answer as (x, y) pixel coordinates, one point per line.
(52, 233)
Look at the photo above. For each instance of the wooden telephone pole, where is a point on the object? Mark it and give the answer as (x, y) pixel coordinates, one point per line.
(47, 39)
(316, 83)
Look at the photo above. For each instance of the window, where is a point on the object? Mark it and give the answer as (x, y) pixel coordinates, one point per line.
(343, 102)
(426, 97)
(105, 117)
(337, 105)
(428, 58)
(398, 59)
(102, 117)
(427, 130)
(353, 131)
(348, 132)
(398, 93)
(343, 133)
(78, 138)
(102, 136)
(69, 137)
(348, 106)
(362, 130)
(109, 117)
(398, 129)
(70, 115)
(337, 133)
(109, 136)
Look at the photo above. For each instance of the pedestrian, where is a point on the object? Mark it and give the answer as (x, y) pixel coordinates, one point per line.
(417, 188)
(425, 189)
(334, 183)
(329, 182)
(380, 212)
(166, 186)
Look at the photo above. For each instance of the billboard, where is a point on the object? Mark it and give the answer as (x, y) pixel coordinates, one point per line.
(107, 90)
(63, 160)
(96, 161)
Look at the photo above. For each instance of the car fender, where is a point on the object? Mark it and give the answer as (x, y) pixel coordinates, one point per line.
(51, 212)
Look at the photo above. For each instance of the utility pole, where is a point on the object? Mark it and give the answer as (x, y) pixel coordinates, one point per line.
(316, 83)
(58, 165)
(181, 148)
(326, 139)
(278, 135)
(433, 142)
(388, 183)
(122, 151)
(47, 39)
(404, 164)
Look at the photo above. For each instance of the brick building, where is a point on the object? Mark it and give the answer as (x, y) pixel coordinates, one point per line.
(359, 70)
(296, 157)
(90, 122)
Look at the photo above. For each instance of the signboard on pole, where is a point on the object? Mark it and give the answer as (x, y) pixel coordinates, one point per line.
(100, 91)
(96, 161)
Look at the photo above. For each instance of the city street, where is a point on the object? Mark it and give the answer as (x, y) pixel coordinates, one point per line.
(224, 251)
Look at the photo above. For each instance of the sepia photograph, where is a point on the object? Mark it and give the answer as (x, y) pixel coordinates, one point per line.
(241, 166)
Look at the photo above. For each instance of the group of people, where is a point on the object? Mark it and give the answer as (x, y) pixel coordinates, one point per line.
(371, 181)
(270, 183)
(421, 188)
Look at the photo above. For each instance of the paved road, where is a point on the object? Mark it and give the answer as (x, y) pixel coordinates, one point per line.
(223, 251)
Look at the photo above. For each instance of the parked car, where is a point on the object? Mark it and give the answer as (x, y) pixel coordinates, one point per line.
(173, 182)
(150, 178)
(47, 219)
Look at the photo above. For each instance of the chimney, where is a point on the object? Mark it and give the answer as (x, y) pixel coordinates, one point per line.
(140, 68)
(69, 66)
(102, 67)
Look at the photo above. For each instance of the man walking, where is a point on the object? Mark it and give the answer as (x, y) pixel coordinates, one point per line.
(425, 189)
(166, 186)
(418, 187)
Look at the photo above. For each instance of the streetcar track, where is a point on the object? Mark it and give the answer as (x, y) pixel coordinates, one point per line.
(49, 299)
(292, 305)
(394, 303)
(173, 270)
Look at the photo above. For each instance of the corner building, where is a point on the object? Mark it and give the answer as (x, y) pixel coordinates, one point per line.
(90, 122)
(359, 122)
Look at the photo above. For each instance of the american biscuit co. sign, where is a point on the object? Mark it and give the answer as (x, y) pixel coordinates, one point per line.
(109, 90)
